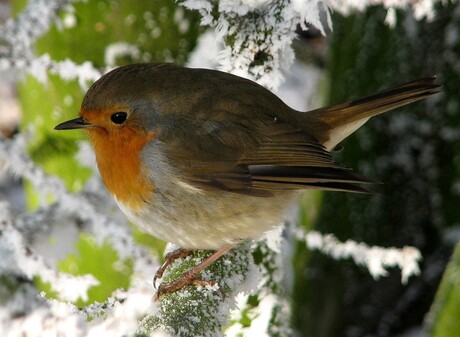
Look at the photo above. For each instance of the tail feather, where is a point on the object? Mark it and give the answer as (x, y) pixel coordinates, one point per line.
(343, 119)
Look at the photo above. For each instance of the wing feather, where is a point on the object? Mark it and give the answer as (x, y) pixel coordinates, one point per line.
(257, 159)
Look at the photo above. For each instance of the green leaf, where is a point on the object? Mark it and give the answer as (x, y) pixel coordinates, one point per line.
(446, 307)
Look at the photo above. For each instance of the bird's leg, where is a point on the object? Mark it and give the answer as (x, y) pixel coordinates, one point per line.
(189, 277)
(169, 259)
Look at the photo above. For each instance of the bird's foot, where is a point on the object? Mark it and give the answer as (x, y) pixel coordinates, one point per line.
(185, 279)
(169, 259)
(189, 277)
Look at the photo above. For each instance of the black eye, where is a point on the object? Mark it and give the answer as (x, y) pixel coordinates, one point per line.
(119, 117)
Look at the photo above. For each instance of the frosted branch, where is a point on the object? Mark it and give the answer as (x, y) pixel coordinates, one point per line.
(376, 259)
(119, 49)
(14, 158)
(202, 310)
(19, 35)
(258, 34)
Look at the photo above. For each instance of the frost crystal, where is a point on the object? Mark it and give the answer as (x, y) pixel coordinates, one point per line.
(375, 259)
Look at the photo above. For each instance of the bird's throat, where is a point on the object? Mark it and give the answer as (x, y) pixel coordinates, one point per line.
(119, 161)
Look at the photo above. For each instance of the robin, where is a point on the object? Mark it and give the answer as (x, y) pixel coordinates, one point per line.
(206, 159)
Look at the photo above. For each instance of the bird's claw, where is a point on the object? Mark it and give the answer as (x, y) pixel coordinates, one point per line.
(190, 276)
(186, 279)
(169, 259)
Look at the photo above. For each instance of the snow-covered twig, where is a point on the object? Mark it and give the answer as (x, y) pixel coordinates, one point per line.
(375, 259)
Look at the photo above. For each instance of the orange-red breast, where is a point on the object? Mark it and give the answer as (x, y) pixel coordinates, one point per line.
(206, 160)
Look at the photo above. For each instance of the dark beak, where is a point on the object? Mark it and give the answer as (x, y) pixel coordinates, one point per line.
(77, 123)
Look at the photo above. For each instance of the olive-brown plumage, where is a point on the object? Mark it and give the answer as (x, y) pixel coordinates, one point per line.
(205, 159)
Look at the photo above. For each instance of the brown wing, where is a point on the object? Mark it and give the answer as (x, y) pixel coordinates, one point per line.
(254, 157)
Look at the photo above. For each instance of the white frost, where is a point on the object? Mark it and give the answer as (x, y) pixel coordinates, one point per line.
(261, 34)
(120, 49)
(375, 259)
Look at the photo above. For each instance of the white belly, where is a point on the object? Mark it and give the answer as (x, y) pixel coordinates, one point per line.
(195, 220)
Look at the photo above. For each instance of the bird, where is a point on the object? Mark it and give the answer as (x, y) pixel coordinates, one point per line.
(207, 160)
